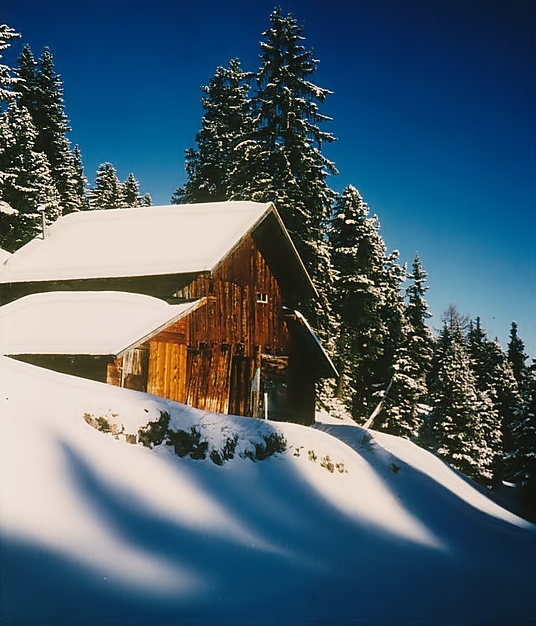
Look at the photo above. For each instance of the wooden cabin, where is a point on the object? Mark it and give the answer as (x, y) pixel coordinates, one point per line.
(237, 345)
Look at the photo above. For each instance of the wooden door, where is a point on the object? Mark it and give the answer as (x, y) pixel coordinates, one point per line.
(241, 374)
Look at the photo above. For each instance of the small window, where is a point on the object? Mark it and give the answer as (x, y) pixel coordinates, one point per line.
(262, 298)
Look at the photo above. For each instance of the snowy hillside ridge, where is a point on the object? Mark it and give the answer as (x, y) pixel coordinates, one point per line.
(96, 530)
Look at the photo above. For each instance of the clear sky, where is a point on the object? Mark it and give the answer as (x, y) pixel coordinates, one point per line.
(433, 107)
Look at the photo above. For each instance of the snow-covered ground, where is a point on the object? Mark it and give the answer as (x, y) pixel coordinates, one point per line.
(345, 527)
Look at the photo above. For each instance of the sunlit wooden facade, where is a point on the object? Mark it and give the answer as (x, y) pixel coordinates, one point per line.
(237, 353)
(244, 349)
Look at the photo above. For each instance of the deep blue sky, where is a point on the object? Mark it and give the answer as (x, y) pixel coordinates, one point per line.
(433, 106)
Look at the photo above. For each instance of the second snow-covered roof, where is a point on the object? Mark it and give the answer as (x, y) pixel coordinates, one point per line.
(142, 241)
(74, 322)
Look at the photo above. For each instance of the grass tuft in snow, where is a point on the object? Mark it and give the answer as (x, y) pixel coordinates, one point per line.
(103, 425)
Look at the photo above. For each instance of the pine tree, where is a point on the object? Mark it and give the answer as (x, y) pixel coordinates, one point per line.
(226, 123)
(516, 354)
(80, 182)
(130, 192)
(41, 91)
(107, 192)
(27, 84)
(465, 423)
(417, 314)
(7, 80)
(27, 180)
(289, 142)
(403, 413)
(522, 459)
(358, 257)
(494, 374)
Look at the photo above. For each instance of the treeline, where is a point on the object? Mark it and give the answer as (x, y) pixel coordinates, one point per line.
(459, 394)
(39, 169)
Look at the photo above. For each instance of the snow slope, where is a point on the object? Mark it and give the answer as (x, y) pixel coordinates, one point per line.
(342, 528)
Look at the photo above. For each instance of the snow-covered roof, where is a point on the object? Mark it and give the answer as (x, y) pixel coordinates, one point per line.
(96, 323)
(4, 256)
(143, 241)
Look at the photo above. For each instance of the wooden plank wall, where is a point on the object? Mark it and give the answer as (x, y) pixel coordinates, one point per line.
(233, 314)
(167, 375)
(207, 359)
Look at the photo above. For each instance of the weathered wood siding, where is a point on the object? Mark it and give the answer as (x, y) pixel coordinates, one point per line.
(232, 314)
(207, 359)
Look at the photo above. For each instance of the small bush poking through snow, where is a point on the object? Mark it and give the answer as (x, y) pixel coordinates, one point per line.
(226, 453)
(154, 433)
(274, 442)
(188, 442)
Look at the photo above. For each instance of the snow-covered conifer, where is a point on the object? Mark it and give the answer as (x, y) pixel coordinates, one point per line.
(27, 182)
(130, 192)
(107, 192)
(359, 258)
(226, 123)
(290, 141)
(80, 181)
(40, 91)
(7, 80)
(465, 424)
(522, 458)
(494, 374)
(516, 354)
(403, 412)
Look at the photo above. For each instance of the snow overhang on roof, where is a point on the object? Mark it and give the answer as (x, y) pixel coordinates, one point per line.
(93, 323)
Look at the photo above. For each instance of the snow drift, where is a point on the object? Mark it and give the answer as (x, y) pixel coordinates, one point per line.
(344, 526)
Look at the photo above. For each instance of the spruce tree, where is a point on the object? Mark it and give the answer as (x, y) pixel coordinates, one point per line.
(226, 123)
(516, 354)
(107, 192)
(465, 424)
(403, 413)
(494, 374)
(522, 458)
(27, 84)
(289, 141)
(421, 339)
(80, 182)
(27, 181)
(40, 90)
(7, 80)
(130, 192)
(358, 257)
